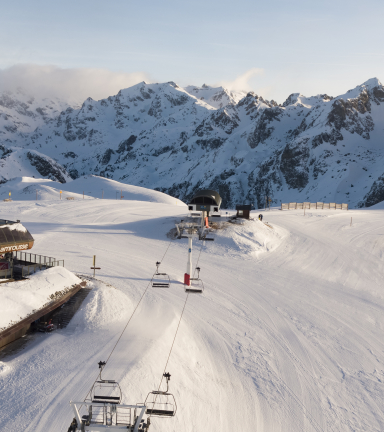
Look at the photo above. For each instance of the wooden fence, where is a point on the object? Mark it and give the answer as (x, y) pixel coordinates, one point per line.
(317, 205)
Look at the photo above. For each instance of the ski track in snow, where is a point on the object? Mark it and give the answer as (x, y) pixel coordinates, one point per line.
(287, 335)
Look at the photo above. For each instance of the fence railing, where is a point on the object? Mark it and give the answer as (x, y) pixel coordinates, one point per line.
(28, 257)
(31, 268)
(27, 263)
(6, 274)
(317, 205)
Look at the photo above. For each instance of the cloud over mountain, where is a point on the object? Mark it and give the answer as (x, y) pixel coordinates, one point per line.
(72, 85)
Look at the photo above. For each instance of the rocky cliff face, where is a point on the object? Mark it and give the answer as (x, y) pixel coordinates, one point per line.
(177, 140)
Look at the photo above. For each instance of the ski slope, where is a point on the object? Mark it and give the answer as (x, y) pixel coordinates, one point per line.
(87, 187)
(287, 335)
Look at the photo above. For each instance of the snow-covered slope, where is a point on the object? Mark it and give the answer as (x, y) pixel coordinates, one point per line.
(218, 97)
(88, 187)
(285, 339)
(17, 161)
(19, 299)
(163, 137)
(21, 113)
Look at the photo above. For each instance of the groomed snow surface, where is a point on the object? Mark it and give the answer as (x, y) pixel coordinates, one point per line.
(87, 187)
(287, 336)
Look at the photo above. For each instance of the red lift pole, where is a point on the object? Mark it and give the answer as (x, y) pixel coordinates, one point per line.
(187, 275)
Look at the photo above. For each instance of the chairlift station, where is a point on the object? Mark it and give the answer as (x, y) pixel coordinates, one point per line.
(14, 237)
(206, 200)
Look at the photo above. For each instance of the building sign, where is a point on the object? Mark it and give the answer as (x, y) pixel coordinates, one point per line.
(4, 266)
(13, 248)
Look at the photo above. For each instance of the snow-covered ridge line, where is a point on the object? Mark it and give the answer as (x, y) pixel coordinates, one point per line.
(164, 137)
(87, 187)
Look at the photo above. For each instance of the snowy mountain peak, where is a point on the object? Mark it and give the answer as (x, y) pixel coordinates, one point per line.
(217, 97)
(372, 83)
(291, 99)
(372, 87)
(178, 140)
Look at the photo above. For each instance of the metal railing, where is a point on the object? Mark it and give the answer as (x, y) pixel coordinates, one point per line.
(27, 262)
(31, 268)
(6, 274)
(316, 205)
(28, 257)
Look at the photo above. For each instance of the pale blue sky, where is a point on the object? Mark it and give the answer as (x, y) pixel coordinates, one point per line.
(301, 46)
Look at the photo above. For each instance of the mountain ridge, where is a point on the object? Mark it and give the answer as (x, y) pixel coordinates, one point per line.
(164, 137)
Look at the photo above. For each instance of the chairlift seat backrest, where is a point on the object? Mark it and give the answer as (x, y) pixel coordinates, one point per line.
(196, 286)
(160, 412)
(193, 290)
(106, 399)
(160, 284)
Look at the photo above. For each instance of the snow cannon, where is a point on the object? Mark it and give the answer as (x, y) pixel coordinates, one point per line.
(205, 201)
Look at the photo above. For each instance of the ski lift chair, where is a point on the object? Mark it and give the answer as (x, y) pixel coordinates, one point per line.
(106, 391)
(196, 286)
(160, 280)
(161, 403)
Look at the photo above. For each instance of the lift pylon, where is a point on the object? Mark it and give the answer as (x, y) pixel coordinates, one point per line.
(187, 230)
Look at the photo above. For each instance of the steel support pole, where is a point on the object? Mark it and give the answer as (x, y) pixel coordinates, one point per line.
(188, 273)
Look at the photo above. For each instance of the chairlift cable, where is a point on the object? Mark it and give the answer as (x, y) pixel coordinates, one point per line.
(170, 351)
(197, 262)
(118, 340)
(167, 250)
(129, 320)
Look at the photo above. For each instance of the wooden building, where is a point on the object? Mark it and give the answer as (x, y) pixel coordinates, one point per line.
(243, 211)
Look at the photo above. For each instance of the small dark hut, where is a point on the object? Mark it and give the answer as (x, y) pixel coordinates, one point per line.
(243, 211)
